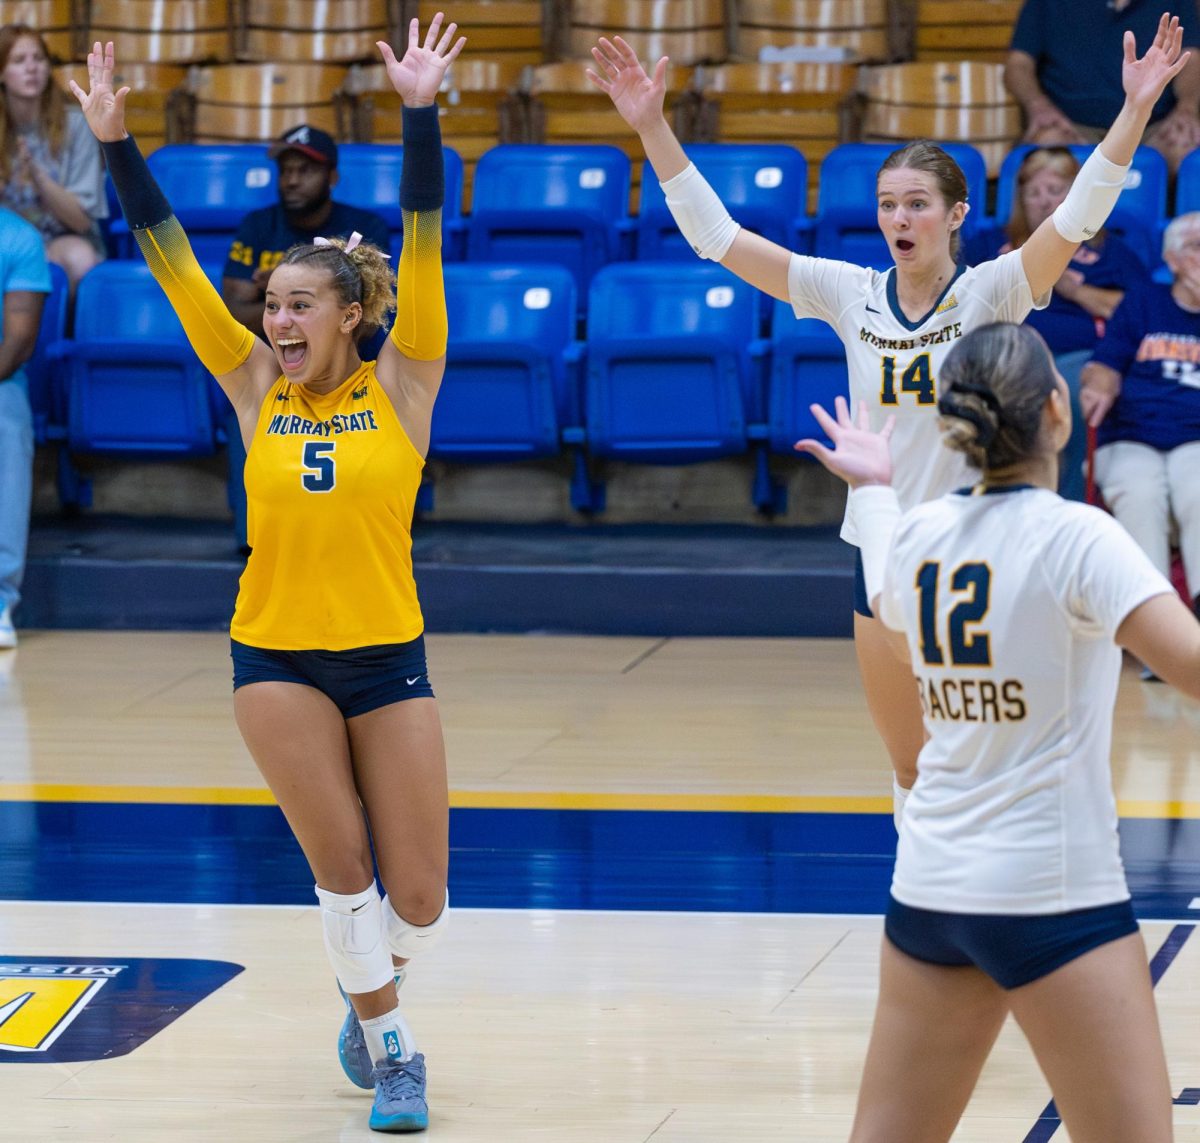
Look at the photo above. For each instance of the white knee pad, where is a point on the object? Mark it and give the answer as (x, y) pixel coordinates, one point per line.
(355, 938)
(407, 940)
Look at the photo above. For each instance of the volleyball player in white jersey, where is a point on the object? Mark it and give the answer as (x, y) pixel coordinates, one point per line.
(897, 326)
(1009, 893)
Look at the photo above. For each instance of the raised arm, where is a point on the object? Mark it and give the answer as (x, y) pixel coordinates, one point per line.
(244, 367)
(1094, 193)
(413, 358)
(698, 212)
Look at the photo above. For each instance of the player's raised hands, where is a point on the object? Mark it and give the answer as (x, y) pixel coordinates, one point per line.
(1145, 79)
(418, 75)
(637, 96)
(859, 456)
(103, 108)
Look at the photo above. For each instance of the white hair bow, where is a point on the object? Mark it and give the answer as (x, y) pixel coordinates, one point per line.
(354, 239)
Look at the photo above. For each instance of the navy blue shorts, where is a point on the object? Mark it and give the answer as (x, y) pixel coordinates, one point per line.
(1012, 949)
(861, 603)
(359, 680)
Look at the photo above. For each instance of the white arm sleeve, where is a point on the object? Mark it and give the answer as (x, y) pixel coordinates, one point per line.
(876, 514)
(700, 215)
(1091, 198)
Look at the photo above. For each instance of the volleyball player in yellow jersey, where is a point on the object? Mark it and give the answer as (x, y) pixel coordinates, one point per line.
(330, 685)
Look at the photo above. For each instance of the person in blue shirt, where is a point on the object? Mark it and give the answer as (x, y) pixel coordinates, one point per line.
(1141, 391)
(1051, 72)
(1100, 272)
(24, 284)
(307, 159)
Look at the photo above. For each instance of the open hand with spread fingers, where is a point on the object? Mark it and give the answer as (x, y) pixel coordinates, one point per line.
(418, 75)
(103, 108)
(859, 456)
(1145, 79)
(637, 96)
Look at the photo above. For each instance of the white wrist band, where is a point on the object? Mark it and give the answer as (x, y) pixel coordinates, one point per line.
(876, 513)
(1091, 198)
(700, 215)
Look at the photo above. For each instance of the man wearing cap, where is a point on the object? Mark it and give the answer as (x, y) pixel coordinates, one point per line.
(307, 159)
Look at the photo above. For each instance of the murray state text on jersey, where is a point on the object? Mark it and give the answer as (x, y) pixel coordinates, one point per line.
(934, 337)
(287, 424)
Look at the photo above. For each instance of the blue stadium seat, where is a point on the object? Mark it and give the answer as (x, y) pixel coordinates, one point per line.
(1187, 184)
(505, 394)
(846, 226)
(764, 185)
(1140, 213)
(369, 177)
(567, 205)
(40, 368)
(211, 187)
(133, 385)
(670, 362)
(808, 366)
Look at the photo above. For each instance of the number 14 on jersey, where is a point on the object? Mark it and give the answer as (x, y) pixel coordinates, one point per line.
(916, 378)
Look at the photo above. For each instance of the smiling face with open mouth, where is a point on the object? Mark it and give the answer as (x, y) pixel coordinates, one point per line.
(914, 218)
(307, 325)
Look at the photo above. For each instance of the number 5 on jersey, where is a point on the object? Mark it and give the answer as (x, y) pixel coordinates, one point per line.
(916, 378)
(318, 463)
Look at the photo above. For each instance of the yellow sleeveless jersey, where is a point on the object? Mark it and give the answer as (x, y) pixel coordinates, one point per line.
(331, 483)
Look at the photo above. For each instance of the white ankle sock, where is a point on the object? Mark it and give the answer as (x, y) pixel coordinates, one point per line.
(389, 1038)
(899, 797)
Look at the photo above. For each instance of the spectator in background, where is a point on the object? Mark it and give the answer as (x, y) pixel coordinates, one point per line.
(1051, 71)
(50, 169)
(1142, 391)
(24, 284)
(1100, 272)
(307, 159)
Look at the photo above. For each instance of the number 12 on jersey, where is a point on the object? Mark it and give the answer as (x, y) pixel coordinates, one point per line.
(916, 378)
(318, 461)
(973, 582)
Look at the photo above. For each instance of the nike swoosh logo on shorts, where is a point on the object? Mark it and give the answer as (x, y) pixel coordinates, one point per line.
(411, 681)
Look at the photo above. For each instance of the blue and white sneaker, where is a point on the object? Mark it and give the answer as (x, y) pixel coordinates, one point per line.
(400, 1096)
(352, 1044)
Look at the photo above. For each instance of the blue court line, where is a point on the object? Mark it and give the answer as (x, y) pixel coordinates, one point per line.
(692, 861)
(1049, 1122)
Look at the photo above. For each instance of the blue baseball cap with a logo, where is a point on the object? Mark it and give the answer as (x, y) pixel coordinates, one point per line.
(309, 141)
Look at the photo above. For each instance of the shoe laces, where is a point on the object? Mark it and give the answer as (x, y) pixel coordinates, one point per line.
(401, 1081)
(356, 1038)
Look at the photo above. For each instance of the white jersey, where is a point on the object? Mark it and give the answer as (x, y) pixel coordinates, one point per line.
(1010, 601)
(895, 363)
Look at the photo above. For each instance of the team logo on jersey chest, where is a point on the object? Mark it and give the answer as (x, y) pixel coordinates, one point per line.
(64, 1009)
(949, 304)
